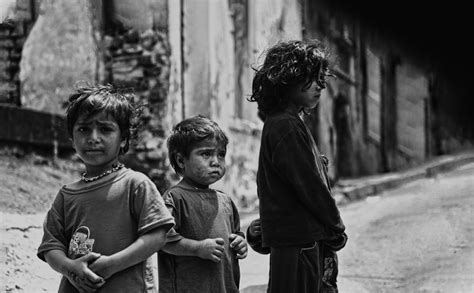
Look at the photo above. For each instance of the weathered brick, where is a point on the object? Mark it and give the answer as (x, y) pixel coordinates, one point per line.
(4, 54)
(7, 87)
(145, 60)
(4, 96)
(23, 15)
(4, 33)
(23, 4)
(19, 30)
(5, 75)
(130, 74)
(6, 66)
(152, 71)
(19, 42)
(15, 77)
(124, 64)
(7, 43)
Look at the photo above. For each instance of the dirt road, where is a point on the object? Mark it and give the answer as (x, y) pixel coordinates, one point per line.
(418, 238)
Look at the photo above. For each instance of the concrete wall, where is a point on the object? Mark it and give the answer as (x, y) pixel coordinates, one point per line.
(269, 21)
(59, 51)
(196, 56)
(372, 116)
(16, 20)
(179, 56)
(216, 85)
(175, 95)
(412, 96)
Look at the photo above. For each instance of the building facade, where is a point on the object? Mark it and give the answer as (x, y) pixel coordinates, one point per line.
(384, 111)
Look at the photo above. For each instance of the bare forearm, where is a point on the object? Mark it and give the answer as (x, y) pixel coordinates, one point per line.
(183, 247)
(58, 260)
(139, 250)
(210, 249)
(76, 270)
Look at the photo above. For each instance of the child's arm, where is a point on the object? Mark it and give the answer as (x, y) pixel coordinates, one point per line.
(153, 222)
(76, 270)
(136, 252)
(237, 239)
(294, 158)
(211, 248)
(53, 250)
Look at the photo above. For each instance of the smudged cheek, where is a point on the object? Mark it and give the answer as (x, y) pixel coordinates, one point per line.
(209, 174)
(201, 172)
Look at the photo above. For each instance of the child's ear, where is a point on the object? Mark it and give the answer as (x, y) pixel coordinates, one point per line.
(72, 143)
(180, 160)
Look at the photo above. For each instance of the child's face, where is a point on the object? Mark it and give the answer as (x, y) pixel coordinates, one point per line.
(205, 163)
(306, 98)
(97, 141)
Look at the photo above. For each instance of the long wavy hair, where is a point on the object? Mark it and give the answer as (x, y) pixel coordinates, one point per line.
(286, 65)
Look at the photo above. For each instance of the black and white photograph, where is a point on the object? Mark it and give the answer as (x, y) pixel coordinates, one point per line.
(226, 146)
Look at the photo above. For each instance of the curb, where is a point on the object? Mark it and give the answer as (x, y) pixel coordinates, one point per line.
(355, 189)
(350, 190)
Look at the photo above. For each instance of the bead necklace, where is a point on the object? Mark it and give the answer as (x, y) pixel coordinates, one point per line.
(116, 167)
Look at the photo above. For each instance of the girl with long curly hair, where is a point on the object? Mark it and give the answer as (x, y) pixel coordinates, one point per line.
(300, 225)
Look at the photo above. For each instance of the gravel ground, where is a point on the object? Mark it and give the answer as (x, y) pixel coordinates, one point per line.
(417, 238)
(29, 184)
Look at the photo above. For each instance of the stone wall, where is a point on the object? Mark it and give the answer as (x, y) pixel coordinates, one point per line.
(10, 54)
(242, 163)
(14, 30)
(221, 42)
(59, 51)
(140, 60)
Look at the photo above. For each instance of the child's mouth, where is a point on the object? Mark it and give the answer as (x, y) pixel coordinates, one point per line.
(93, 151)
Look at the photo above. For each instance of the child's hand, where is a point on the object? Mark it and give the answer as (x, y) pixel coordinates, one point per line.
(83, 278)
(255, 229)
(102, 267)
(239, 245)
(211, 249)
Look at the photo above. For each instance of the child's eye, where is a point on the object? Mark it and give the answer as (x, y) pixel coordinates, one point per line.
(82, 129)
(206, 154)
(221, 155)
(106, 129)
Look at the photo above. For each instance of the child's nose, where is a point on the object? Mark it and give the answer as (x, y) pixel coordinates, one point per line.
(214, 160)
(320, 87)
(94, 136)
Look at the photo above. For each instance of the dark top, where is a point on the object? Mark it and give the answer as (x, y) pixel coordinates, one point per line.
(200, 214)
(107, 216)
(296, 205)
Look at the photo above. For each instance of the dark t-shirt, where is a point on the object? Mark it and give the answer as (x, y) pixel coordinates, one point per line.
(200, 214)
(106, 217)
(296, 205)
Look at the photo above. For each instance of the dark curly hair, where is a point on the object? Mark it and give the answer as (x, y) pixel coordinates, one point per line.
(288, 64)
(190, 131)
(118, 102)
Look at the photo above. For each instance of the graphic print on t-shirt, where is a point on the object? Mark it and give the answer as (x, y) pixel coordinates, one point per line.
(80, 243)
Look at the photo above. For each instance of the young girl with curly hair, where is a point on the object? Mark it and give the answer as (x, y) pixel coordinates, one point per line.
(300, 225)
